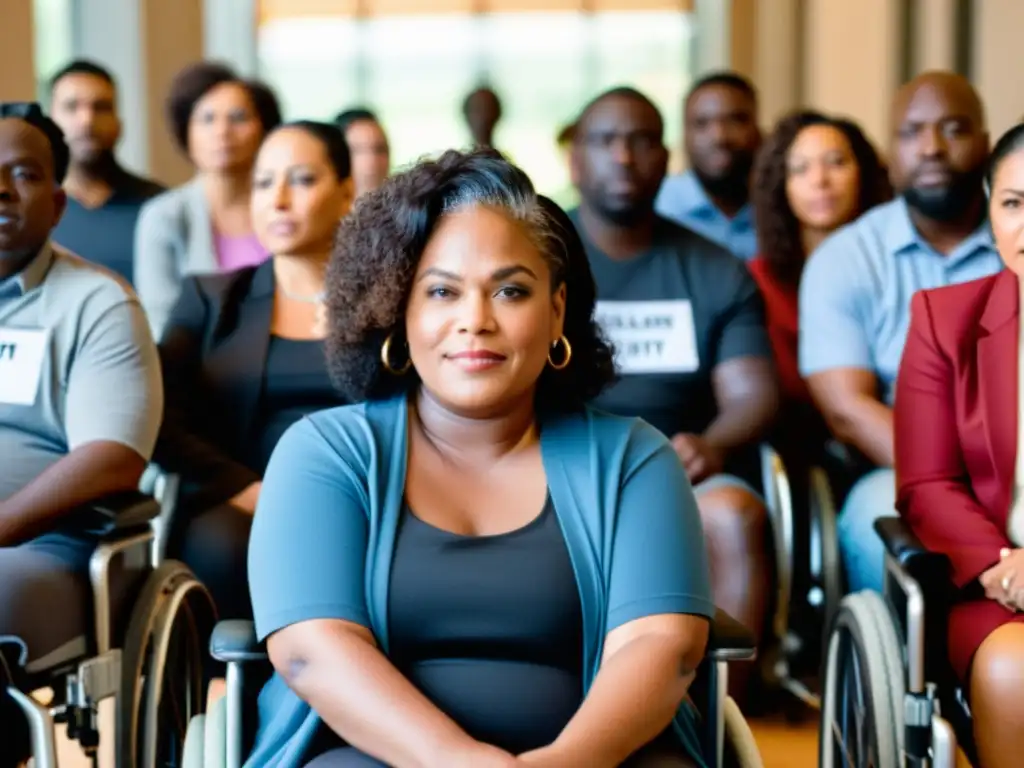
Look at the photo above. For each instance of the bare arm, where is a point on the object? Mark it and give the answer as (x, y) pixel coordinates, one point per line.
(647, 667)
(336, 667)
(86, 474)
(848, 398)
(747, 395)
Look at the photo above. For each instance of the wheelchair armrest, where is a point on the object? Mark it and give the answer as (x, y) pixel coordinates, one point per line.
(906, 548)
(235, 641)
(729, 640)
(124, 512)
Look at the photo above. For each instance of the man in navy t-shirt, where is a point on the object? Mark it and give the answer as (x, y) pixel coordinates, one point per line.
(103, 198)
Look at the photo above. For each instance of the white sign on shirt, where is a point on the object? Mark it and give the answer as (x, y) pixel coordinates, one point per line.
(22, 352)
(651, 336)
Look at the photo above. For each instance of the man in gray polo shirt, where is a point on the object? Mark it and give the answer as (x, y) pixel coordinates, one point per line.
(856, 288)
(80, 402)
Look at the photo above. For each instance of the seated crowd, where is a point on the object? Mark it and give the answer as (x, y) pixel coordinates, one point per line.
(361, 380)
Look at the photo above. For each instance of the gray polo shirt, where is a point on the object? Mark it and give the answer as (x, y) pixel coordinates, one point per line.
(856, 288)
(77, 365)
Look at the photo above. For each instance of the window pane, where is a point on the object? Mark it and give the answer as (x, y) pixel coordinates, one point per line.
(414, 70)
(52, 28)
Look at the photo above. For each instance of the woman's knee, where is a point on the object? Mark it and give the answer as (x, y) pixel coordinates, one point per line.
(997, 674)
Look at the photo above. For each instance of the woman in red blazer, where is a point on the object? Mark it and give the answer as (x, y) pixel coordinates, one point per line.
(959, 474)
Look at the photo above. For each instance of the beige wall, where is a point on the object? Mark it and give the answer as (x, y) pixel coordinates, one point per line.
(172, 35)
(846, 57)
(996, 61)
(18, 79)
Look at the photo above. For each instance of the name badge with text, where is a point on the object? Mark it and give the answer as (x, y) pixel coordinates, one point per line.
(651, 336)
(22, 352)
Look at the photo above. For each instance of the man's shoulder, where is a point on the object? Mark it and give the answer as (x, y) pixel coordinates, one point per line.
(864, 237)
(700, 255)
(78, 279)
(144, 188)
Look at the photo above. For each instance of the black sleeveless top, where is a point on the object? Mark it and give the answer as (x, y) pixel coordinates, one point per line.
(295, 384)
(490, 628)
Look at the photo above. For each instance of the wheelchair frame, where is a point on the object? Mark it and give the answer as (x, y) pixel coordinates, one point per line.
(138, 542)
(823, 562)
(930, 740)
(234, 643)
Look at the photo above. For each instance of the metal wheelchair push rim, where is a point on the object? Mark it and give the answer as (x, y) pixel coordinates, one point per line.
(163, 680)
(861, 715)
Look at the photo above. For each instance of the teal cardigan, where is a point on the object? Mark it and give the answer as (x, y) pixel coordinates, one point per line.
(324, 532)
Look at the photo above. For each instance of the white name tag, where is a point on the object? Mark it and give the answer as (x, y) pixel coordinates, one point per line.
(22, 353)
(651, 336)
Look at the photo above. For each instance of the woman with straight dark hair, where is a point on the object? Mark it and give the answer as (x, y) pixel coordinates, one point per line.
(243, 355)
(959, 430)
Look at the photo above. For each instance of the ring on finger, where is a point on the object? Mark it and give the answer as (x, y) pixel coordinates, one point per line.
(1007, 582)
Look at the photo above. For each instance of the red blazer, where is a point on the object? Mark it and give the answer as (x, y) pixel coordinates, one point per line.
(956, 420)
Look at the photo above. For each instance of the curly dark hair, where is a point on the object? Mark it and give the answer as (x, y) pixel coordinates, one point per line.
(196, 80)
(379, 246)
(778, 231)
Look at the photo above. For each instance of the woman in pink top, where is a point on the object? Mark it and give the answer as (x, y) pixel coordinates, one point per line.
(204, 226)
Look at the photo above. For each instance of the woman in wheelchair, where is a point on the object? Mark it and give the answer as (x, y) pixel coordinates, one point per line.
(960, 461)
(813, 175)
(473, 568)
(243, 356)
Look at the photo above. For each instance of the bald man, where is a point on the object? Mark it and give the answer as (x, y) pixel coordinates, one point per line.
(856, 288)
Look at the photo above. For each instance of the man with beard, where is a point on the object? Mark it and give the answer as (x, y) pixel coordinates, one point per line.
(856, 289)
(721, 138)
(686, 321)
(103, 198)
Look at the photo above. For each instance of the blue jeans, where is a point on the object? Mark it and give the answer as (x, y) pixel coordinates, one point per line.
(872, 497)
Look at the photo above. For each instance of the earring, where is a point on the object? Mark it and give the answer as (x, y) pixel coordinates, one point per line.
(566, 358)
(385, 358)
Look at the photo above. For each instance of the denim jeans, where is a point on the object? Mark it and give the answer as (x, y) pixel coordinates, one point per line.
(872, 497)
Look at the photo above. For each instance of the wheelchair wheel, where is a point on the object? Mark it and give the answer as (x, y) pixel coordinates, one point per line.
(740, 747)
(862, 700)
(825, 562)
(163, 682)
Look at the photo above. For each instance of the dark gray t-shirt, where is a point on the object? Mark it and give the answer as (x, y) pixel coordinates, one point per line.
(106, 235)
(673, 314)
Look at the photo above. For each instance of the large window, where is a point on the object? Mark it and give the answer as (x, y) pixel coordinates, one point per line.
(52, 43)
(415, 68)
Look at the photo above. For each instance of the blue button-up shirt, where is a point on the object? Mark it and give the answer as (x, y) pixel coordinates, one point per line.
(683, 200)
(856, 288)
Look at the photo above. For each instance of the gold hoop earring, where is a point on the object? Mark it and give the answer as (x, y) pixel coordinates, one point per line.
(385, 358)
(568, 353)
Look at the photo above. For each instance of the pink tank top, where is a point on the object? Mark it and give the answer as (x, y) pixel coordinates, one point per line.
(239, 252)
